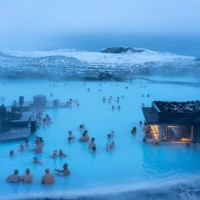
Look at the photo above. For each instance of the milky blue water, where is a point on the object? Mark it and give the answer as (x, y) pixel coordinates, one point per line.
(131, 163)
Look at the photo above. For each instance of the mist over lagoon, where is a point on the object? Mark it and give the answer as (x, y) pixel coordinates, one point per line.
(125, 74)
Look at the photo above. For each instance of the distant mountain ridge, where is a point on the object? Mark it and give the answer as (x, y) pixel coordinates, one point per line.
(122, 50)
(117, 63)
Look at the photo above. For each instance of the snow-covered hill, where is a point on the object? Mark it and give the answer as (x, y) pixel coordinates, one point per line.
(110, 63)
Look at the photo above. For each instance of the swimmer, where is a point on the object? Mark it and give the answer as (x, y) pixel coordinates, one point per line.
(14, 178)
(26, 143)
(61, 154)
(91, 144)
(112, 133)
(113, 107)
(140, 123)
(83, 138)
(109, 136)
(48, 119)
(111, 146)
(21, 148)
(133, 131)
(48, 178)
(36, 161)
(11, 153)
(37, 140)
(28, 177)
(118, 107)
(44, 121)
(64, 172)
(41, 141)
(86, 135)
(81, 127)
(70, 137)
(38, 148)
(55, 154)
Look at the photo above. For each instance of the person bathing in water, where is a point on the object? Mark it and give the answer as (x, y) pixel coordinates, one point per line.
(63, 172)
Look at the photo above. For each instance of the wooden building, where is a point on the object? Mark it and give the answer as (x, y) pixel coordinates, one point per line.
(173, 121)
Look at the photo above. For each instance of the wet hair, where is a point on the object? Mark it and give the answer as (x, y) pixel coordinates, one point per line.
(27, 171)
(92, 138)
(47, 170)
(134, 130)
(16, 172)
(65, 165)
(11, 152)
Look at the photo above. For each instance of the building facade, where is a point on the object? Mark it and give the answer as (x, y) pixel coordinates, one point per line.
(173, 121)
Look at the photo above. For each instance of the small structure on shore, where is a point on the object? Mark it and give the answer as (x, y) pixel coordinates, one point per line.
(173, 121)
(39, 101)
(18, 122)
(15, 124)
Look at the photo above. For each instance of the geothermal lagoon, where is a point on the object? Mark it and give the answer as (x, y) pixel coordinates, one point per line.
(133, 164)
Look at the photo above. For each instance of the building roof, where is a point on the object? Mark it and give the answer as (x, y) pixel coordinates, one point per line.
(178, 107)
(150, 116)
(177, 113)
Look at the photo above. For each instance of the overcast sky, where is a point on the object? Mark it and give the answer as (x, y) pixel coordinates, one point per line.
(31, 24)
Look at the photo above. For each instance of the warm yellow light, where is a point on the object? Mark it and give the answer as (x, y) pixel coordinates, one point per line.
(186, 139)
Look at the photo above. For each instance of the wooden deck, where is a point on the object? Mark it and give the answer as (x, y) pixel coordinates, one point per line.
(15, 134)
(24, 118)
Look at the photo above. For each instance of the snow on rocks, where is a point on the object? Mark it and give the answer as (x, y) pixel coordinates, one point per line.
(110, 63)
